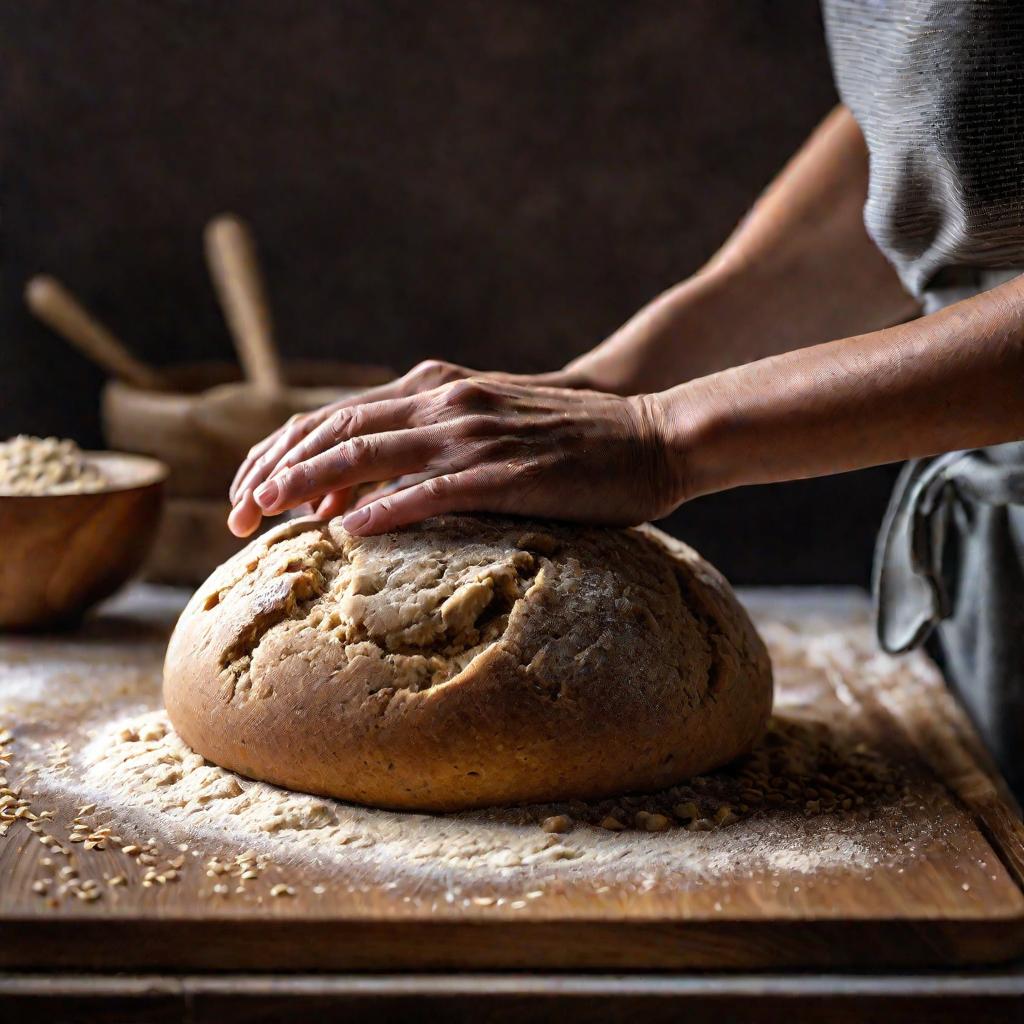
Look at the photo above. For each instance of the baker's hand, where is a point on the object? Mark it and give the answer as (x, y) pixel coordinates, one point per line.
(265, 457)
(477, 444)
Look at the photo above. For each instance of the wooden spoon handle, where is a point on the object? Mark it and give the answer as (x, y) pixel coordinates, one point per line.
(231, 255)
(56, 307)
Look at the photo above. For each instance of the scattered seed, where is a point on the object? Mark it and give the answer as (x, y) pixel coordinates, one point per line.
(687, 811)
(725, 815)
(651, 822)
(557, 823)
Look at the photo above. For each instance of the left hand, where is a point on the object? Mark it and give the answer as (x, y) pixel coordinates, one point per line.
(483, 445)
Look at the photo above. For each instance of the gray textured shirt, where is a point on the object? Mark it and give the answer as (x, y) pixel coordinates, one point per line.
(937, 87)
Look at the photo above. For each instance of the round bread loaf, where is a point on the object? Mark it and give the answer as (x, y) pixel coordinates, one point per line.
(465, 662)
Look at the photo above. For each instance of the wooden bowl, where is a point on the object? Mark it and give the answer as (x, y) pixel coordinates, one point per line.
(205, 423)
(62, 553)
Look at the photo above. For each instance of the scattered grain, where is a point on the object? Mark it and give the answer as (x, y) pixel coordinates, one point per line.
(557, 823)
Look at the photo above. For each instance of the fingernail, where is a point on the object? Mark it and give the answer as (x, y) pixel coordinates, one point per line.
(360, 517)
(266, 494)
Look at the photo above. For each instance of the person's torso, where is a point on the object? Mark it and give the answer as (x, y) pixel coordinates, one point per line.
(937, 87)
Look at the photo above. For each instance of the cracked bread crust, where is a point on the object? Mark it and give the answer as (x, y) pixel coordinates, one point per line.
(465, 662)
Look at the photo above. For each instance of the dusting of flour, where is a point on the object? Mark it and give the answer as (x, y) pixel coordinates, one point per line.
(142, 764)
(812, 799)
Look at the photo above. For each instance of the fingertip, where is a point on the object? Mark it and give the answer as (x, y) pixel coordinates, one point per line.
(244, 518)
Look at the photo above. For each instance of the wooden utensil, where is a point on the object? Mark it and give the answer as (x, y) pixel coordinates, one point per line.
(234, 267)
(56, 307)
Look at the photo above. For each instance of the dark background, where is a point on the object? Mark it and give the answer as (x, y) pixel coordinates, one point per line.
(500, 183)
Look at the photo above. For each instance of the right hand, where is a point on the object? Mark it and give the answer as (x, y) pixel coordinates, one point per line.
(265, 457)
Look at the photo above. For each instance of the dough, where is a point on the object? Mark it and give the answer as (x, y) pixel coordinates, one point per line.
(466, 662)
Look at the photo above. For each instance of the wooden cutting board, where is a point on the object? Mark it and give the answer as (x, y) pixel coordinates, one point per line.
(926, 869)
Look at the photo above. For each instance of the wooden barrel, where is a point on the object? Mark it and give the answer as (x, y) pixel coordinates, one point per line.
(202, 427)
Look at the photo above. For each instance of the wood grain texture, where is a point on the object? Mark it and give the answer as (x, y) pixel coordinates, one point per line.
(383, 998)
(944, 889)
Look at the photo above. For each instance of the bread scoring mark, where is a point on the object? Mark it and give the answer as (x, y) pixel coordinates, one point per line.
(436, 647)
(289, 595)
(462, 607)
(243, 571)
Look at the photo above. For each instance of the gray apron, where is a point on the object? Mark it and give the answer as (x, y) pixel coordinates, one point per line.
(950, 567)
(937, 87)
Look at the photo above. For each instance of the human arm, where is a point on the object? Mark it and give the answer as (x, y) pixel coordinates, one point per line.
(948, 381)
(799, 268)
(951, 380)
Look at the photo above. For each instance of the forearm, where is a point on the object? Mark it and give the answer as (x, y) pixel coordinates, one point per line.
(948, 381)
(798, 270)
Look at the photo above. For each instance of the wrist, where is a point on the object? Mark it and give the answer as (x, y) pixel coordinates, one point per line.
(695, 424)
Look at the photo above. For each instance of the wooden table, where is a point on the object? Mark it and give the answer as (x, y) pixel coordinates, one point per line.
(994, 997)
(951, 898)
